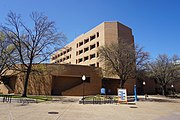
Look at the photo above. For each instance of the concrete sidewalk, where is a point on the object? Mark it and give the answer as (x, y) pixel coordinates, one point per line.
(72, 110)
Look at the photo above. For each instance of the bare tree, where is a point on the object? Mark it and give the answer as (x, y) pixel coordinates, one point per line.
(5, 54)
(33, 44)
(121, 59)
(164, 70)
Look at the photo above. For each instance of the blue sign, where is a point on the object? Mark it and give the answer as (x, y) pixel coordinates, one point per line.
(103, 91)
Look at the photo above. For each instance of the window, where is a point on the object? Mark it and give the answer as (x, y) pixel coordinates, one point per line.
(86, 49)
(86, 40)
(76, 61)
(93, 65)
(92, 56)
(92, 37)
(86, 58)
(80, 60)
(77, 45)
(64, 59)
(68, 50)
(60, 60)
(70, 56)
(58, 55)
(97, 64)
(92, 46)
(67, 57)
(80, 51)
(97, 34)
(76, 53)
(64, 52)
(97, 44)
(97, 54)
(61, 54)
(80, 43)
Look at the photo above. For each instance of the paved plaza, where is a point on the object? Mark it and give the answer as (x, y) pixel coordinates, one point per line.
(70, 109)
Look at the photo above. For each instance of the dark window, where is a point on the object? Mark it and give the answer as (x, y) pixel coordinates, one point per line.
(64, 52)
(92, 56)
(80, 60)
(86, 40)
(86, 58)
(92, 46)
(76, 61)
(58, 55)
(97, 54)
(92, 37)
(80, 43)
(80, 51)
(93, 65)
(67, 57)
(61, 54)
(97, 64)
(97, 34)
(60, 60)
(76, 53)
(68, 50)
(86, 49)
(64, 59)
(70, 56)
(97, 44)
(77, 45)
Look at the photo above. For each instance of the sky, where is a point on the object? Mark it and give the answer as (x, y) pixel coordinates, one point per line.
(155, 23)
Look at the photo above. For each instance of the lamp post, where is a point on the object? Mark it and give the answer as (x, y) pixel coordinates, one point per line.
(144, 83)
(83, 78)
(172, 86)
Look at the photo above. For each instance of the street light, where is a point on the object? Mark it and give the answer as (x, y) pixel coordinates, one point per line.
(144, 83)
(83, 78)
(172, 86)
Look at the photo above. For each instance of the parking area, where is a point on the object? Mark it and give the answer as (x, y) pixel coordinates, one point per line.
(70, 109)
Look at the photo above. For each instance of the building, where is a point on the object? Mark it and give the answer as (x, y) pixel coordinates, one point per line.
(84, 49)
(55, 79)
(80, 57)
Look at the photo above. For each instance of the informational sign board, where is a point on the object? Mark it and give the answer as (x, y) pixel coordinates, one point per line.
(103, 91)
(122, 94)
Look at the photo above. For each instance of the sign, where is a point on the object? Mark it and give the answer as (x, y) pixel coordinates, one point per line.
(122, 94)
(103, 91)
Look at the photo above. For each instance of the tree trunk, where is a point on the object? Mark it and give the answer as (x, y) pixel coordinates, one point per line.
(122, 84)
(26, 80)
(164, 90)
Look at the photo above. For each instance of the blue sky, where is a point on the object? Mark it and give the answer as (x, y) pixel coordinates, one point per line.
(155, 23)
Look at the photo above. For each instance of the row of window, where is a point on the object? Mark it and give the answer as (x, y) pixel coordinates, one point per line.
(88, 39)
(95, 65)
(63, 59)
(91, 56)
(87, 48)
(62, 53)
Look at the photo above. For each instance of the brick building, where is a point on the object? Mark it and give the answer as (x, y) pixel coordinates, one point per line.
(84, 49)
(80, 57)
